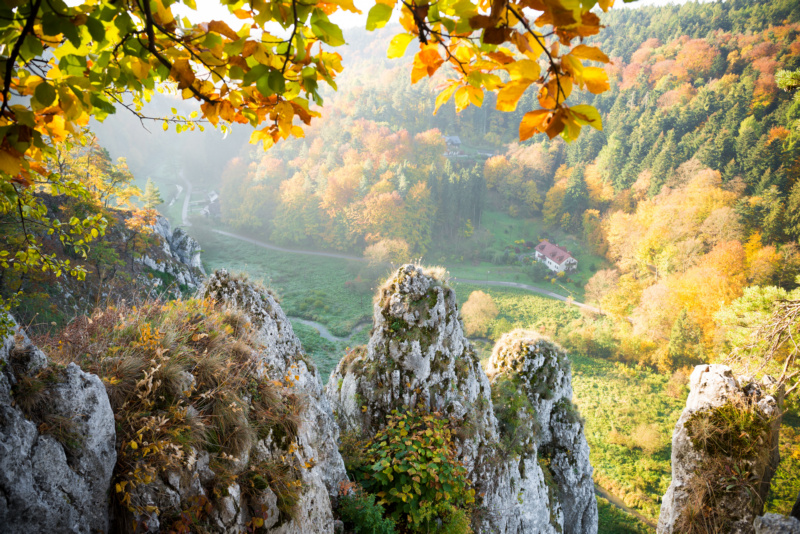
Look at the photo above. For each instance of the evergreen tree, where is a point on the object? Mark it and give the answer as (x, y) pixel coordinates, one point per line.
(152, 196)
(576, 196)
(684, 343)
(793, 213)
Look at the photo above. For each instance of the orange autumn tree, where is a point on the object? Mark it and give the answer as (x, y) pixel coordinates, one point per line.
(63, 65)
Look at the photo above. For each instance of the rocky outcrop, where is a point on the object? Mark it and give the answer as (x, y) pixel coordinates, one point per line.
(282, 356)
(313, 455)
(181, 255)
(549, 432)
(418, 356)
(776, 524)
(751, 448)
(57, 444)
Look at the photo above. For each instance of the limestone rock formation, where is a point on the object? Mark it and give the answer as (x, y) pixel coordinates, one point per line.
(280, 358)
(181, 255)
(555, 448)
(57, 450)
(714, 387)
(282, 353)
(418, 355)
(776, 524)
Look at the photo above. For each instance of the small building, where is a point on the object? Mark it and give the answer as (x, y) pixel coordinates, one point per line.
(557, 259)
(453, 141)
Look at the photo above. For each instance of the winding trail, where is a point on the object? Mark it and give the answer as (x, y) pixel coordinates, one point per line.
(616, 501)
(498, 283)
(532, 289)
(325, 333)
(269, 246)
(185, 212)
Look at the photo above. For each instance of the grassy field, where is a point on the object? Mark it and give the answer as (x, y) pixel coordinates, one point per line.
(310, 287)
(508, 231)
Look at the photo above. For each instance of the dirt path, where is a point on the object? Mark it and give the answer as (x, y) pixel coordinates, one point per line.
(498, 283)
(616, 501)
(291, 250)
(325, 333)
(185, 212)
(526, 287)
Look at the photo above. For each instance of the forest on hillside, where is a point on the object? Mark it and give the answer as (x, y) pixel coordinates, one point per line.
(693, 178)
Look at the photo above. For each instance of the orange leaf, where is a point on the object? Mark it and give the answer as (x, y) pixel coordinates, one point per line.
(222, 28)
(508, 96)
(182, 73)
(589, 52)
(533, 122)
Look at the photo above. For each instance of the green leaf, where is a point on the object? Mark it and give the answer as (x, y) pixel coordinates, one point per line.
(45, 94)
(276, 81)
(96, 29)
(378, 16)
(328, 32)
(262, 84)
(255, 73)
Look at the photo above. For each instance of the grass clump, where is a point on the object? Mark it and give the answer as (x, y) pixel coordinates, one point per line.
(725, 486)
(183, 377)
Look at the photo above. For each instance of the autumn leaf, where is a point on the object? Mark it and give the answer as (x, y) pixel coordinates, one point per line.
(509, 95)
(586, 114)
(444, 96)
(589, 52)
(533, 122)
(397, 48)
(596, 79)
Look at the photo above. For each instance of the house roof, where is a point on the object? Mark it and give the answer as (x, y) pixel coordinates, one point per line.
(553, 252)
(452, 139)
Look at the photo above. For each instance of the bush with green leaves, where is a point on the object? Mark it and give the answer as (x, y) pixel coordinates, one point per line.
(362, 515)
(411, 465)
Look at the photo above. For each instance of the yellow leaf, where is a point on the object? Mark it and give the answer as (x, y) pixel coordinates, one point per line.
(533, 122)
(134, 445)
(444, 96)
(524, 68)
(258, 522)
(140, 68)
(475, 96)
(9, 164)
(398, 45)
(586, 114)
(508, 96)
(596, 79)
(605, 4)
(589, 52)
(462, 99)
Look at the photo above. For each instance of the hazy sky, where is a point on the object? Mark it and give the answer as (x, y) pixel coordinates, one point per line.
(213, 10)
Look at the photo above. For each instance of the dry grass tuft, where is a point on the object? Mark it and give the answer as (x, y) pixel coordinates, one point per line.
(724, 487)
(182, 378)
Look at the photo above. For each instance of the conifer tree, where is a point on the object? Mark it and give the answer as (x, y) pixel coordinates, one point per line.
(152, 195)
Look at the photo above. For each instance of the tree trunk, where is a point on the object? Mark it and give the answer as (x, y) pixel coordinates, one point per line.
(796, 509)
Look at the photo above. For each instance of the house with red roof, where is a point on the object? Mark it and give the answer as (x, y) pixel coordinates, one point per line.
(557, 259)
